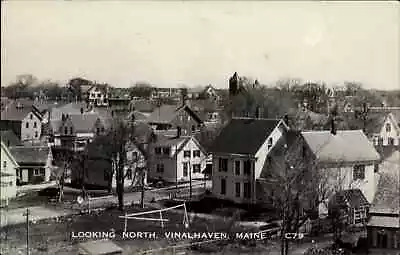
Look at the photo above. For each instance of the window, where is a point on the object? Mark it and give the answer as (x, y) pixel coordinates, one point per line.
(34, 124)
(98, 131)
(65, 130)
(188, 118)
(27, 125)
(196, 154)
(237, 167)
(270, 143)
(186, 154)
(376, 168)
(223, 186)
(247, 167)
(36, 134)
(185, 169)
(359, 172)
(247, 190)
(31, 117)
(196, 168)
(160, 168)
(4, 164)
(157, 150)
(223, 165)
(380, 141)
(42, 171)
(166, 151)
(237, 189)
(129, 174)
(388, 127)
(193, 128)
(36, 172)
(70, 130)
(390, 141)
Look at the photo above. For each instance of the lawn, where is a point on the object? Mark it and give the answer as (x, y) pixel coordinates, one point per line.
(51, 237)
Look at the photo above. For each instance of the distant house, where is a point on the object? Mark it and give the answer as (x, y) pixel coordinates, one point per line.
(35, 164)
(384, 130)
(76, 130)
(239, 153)
(9, 138)
(176, 159)
(119, 97)
(345, 167)
(195, 93)
(8, 183)
(23, 120)
(180, 117)
(166, 93)
(384, 223)
(98, 95)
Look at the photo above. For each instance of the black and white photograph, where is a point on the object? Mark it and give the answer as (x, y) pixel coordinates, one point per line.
(200, 127)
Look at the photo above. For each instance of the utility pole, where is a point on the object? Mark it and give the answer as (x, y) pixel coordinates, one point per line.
(190, 180)
(27, 213)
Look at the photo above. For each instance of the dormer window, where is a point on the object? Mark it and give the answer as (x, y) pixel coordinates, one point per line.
(66, 130)
(31, 116)
(388, 127)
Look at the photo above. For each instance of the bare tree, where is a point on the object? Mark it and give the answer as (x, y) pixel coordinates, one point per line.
(296, 184)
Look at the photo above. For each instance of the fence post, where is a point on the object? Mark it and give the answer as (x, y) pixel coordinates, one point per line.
(126, 222)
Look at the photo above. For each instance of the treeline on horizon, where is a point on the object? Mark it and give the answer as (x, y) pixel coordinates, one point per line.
(288, 91)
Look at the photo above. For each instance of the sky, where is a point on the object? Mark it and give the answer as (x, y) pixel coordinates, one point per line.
(198, 43)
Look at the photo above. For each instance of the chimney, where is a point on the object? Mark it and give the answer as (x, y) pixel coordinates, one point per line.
(333, 126)
(178, 132)
(286, 119)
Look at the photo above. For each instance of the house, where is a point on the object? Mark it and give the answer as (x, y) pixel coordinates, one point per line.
(345, 167)
(239, 153)
(384, 130)
(180, 117)
(8, 183)
(23, 120)
(354, 205)
(99, 161)
(35, 164)
(119, 97)
(76, 130)
(176, 159)
(384, 224)
(211, 93)
(194, 93)
(97, 95)
(166, 93)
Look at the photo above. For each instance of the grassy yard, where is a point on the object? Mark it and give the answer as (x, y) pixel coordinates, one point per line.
(51, 237)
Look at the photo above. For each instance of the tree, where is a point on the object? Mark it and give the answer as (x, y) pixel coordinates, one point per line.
(296, 184)
(75, 86)
(141, 89)
(63, 173)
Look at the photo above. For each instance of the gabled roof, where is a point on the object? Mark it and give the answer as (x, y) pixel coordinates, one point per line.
(243, 135)
(17, 112)
(26, 155)
(166, 113)
(387, 197)
(346, 146)
(350, 197)
(10, 155)
(9, 138)
(72, 108)
(84, 123)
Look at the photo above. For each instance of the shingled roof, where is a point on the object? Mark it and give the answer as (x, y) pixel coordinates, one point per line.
(243, 135)
(84, 122)
(17, 112)
(166, 113)
(9, 138)
(30, 155)
(329, 148)
(387, 197)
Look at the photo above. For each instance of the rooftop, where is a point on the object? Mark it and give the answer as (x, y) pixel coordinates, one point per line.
(243, 135)
(329, 148)
(30, 154)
